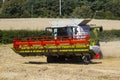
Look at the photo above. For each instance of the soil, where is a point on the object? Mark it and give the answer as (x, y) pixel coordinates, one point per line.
(15, 67)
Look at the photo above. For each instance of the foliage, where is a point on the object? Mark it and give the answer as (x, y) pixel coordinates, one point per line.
(110, 35)
(14, 8)
(7, 36)
(100, 9)
(82, 12)
(1, 3)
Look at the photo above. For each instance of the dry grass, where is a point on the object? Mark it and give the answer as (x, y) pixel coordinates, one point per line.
(15, 67)
(107, 24)
(111, 49)
(41, 23)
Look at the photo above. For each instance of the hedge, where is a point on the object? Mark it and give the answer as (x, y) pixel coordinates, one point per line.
(7, 36)
(110, 35)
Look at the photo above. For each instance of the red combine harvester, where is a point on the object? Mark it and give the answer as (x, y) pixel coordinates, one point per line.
(73, 40)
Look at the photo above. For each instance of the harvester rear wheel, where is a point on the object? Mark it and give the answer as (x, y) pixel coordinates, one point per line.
(86, 59)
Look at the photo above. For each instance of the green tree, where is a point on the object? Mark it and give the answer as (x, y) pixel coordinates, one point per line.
(107, 9)
(43, 8)
(114, 7)
(82, 12)
(100, 14)
(13, 9)
(109, 15)
(98, 5)
(1, 3)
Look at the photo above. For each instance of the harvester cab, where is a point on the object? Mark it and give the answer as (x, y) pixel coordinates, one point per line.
(76, 30)
(66, 31)
(70, 40)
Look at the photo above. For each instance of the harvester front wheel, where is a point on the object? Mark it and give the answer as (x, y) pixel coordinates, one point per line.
(55, 59)
(51, 59)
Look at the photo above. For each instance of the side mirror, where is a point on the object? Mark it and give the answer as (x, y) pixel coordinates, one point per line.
(101, 29)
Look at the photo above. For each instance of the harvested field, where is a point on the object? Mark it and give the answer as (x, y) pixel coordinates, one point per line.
(111, 49)
(15, 67)
(41, 23)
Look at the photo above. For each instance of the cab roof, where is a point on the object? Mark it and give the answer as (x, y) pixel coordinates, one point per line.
(69, 23)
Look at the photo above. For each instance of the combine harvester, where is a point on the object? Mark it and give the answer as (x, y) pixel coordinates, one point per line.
(70, 40)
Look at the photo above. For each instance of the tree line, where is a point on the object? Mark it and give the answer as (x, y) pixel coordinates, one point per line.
(99, 9)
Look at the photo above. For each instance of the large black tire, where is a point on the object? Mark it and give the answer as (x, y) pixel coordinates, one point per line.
(55, 59)
(86, 59)
(51, 59)
(61, 59)
(74, 59)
